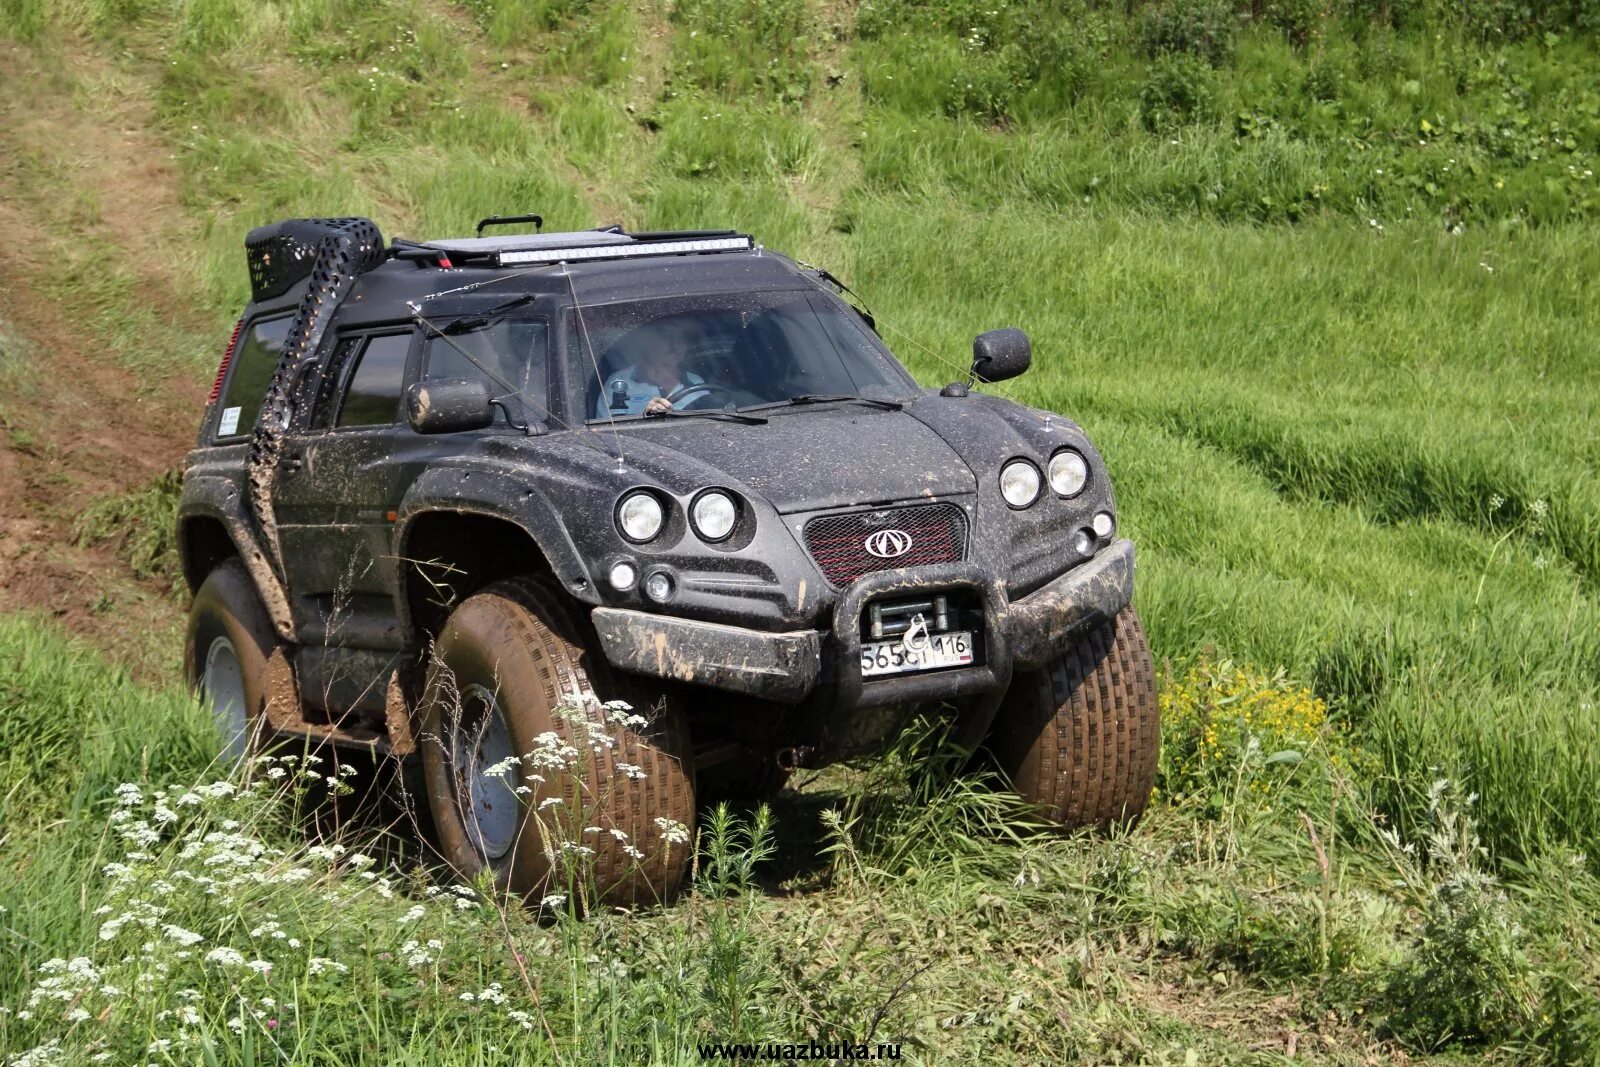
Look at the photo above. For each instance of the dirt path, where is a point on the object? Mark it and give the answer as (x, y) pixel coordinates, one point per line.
(75, 423)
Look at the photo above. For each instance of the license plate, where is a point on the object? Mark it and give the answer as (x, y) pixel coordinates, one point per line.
(893, 657)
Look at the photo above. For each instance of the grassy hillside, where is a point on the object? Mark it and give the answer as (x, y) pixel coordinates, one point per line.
(1320, 280)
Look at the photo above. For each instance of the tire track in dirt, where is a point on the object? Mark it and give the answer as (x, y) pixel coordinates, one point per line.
(75, 423)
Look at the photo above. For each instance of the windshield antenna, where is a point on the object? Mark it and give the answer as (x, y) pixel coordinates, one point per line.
(583, 331)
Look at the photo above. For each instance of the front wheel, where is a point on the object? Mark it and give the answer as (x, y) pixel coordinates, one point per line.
(534, 778)
(1080, 737)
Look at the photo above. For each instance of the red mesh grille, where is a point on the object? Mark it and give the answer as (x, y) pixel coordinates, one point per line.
(937, 532)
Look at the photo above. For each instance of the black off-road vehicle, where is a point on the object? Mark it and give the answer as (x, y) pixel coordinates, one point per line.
(454, 500)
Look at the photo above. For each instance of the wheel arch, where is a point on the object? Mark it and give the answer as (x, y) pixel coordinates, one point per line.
(447, 554)
(203, 545)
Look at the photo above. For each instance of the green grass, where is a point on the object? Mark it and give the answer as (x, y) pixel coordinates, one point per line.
(901, 903)
(1324, 293)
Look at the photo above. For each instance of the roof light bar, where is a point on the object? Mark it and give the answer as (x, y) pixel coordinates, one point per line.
(643, 248)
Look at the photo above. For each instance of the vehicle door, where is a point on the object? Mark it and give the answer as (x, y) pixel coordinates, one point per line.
(343, 471)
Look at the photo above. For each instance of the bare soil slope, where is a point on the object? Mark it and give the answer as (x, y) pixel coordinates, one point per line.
(77, 423)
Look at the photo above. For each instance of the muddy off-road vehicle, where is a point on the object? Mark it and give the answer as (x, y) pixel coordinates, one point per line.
(455, 500)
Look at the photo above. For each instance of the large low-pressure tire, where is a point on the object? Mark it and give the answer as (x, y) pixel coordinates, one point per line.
(1079, 738)
(225, 655)
(513, 670)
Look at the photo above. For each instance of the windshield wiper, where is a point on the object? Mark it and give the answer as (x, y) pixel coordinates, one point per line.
(825, 398)
(722, 413)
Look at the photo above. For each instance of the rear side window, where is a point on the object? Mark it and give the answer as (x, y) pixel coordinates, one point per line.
(373, 396)
(254, 361)
(511, 358)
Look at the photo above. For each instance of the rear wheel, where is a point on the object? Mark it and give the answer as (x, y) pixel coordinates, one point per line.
(531, 776)
(229, 640)
(1080, 737)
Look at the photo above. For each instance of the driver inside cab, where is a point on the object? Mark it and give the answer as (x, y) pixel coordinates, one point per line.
(648, 385)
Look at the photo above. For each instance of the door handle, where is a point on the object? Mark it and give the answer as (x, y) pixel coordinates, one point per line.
(292, 463)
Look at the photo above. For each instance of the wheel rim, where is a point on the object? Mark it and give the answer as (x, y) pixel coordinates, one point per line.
(222, 684)
(488, 801)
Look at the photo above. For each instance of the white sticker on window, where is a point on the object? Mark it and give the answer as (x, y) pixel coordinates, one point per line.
(230, 422)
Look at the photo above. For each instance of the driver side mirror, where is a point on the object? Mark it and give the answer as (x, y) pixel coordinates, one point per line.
(449, 405)
(1000, 354)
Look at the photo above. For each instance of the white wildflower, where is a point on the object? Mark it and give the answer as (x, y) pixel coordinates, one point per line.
(182, 936)
(225, 956)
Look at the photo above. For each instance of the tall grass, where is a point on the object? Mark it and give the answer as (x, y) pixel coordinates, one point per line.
(173, 909)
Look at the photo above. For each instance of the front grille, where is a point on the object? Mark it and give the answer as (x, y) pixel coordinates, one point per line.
(937, 533)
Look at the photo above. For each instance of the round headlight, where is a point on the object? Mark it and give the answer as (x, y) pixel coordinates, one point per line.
(1019, 483)
(639, 517)
(1069, 472)
(713, 515)
(1104, 524)
(1083, 542)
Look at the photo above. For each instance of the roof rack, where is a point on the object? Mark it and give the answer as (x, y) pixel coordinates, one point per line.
(582, 245)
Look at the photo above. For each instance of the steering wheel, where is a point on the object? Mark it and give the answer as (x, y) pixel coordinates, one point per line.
(696, 390)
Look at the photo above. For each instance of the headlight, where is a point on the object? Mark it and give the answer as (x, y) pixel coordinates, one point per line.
(1019, 483)
(713, 515)
(1069, 472)
(1104, 524)
(639, 516)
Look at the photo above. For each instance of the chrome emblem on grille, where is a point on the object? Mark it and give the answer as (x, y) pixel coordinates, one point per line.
(887, 544)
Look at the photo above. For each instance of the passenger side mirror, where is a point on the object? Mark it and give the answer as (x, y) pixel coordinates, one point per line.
(449, 405)
(1000, 354)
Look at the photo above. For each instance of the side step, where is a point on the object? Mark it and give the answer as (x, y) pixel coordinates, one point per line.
(285, 716)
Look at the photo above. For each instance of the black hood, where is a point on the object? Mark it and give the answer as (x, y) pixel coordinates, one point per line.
(810, 459)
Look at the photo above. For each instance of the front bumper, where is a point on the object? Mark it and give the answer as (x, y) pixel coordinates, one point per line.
(789, 667)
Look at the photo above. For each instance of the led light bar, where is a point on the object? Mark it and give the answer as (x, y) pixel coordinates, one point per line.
(620, 251)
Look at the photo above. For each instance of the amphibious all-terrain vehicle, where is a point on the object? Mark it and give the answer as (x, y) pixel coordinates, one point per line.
(459, 500)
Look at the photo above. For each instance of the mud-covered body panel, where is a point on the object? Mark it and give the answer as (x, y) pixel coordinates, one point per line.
(357, 512)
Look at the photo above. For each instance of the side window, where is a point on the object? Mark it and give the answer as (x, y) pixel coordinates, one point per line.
(510, 357)
(253, 363)
(328, 384)
(373, 396)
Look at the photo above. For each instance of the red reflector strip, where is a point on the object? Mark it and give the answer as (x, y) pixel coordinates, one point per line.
(227, 357)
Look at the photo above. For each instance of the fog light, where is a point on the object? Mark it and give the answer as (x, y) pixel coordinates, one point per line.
(1104, 524)
(623, 575)
(658, 587)
(1083, 542)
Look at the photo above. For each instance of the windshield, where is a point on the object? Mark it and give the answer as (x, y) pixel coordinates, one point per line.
(725, 350)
